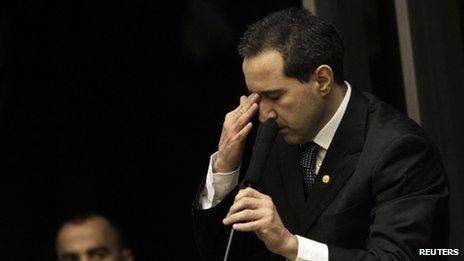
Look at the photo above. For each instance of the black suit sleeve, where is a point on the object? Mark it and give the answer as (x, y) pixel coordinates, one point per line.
(209, 231)
(410, 195)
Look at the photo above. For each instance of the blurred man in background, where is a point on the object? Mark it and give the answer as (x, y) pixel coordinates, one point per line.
(91, 237)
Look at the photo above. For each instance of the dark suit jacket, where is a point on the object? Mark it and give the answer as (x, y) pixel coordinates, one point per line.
(386, 198)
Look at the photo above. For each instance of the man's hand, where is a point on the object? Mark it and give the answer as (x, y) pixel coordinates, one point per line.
(235, 131)
(254, 211)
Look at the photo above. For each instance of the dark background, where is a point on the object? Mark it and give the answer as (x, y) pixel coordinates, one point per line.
(116, 107)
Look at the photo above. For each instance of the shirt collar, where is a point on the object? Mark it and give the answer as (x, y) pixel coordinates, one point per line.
(325, 135)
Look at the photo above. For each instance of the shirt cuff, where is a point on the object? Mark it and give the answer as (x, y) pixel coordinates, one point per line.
(310, 250)
(217, 185)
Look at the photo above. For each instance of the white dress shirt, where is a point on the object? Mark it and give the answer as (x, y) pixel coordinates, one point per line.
(218, 185)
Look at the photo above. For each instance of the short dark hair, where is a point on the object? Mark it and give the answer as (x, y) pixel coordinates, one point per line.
(81, 218)
(305, 42)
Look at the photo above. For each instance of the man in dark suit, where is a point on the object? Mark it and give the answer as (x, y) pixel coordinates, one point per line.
(345, 178)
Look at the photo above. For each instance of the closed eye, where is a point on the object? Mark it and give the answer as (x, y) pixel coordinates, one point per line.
(99, 252)
(273, 95)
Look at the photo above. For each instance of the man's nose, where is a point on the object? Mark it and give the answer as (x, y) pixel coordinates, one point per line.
(266, 112)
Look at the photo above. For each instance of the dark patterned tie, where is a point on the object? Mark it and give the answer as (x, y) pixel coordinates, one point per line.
(308, 153)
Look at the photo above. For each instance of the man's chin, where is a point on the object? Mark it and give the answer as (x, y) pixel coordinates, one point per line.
(290, 139)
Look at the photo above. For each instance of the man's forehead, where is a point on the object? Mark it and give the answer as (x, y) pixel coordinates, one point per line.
(83, 235)
(267, 62)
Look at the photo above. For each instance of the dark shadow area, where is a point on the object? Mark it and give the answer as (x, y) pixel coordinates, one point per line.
(115, 108)
(384, 53)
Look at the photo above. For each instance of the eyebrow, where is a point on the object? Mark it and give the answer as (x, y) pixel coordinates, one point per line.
(99, 248)
(69, 255)
(267, 92)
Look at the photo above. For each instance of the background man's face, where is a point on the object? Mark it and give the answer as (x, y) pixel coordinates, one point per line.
(94, 239)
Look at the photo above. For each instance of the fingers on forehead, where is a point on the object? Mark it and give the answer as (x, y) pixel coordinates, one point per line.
(245, 103)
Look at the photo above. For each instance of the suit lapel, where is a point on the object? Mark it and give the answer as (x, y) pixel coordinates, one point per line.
(340, 160)
(322, 193)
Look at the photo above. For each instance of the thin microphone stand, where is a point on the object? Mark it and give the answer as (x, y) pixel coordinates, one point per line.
(258, 160)
(248, 183)
(231, 235)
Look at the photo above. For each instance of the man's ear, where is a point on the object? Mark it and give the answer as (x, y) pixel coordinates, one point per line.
(127, 255)
(324, 78)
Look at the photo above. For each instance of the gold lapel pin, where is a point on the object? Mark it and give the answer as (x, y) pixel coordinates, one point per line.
(326, 179)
